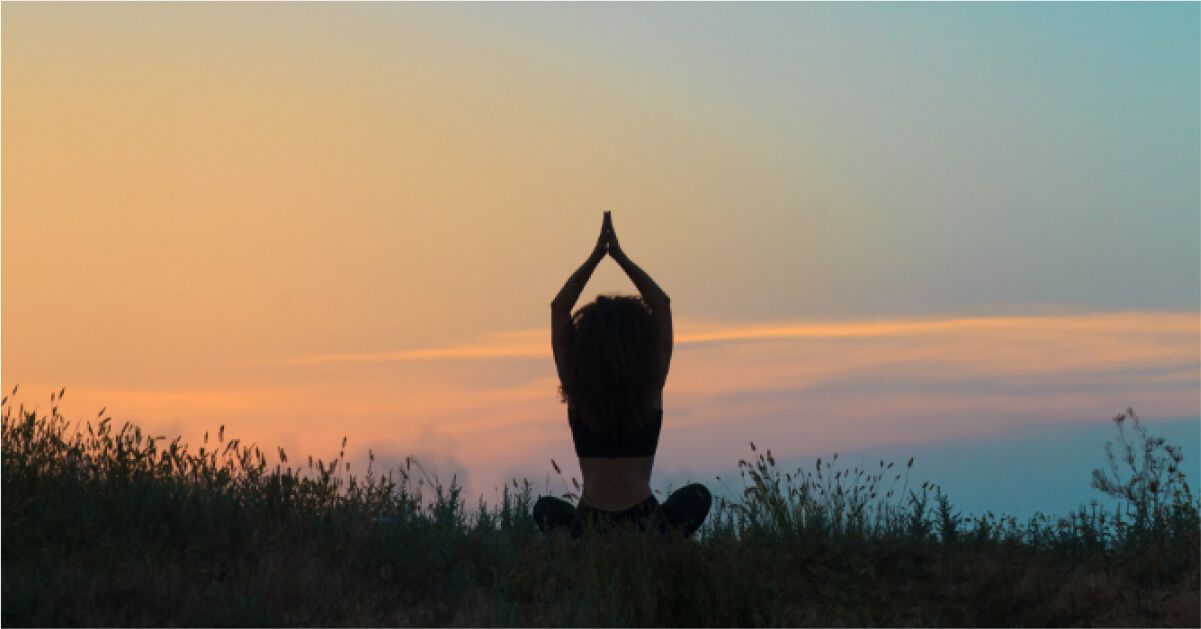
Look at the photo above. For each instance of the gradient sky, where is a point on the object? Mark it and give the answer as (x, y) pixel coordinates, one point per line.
(881, 225)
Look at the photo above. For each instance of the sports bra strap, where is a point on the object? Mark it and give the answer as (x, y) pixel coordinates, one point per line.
(640, 442)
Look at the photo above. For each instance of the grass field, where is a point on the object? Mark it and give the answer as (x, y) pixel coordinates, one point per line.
(109, 526)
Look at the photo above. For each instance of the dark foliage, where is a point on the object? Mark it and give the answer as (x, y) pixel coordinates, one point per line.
(107, 526)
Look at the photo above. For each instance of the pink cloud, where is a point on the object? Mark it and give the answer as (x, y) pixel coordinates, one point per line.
(807, 387)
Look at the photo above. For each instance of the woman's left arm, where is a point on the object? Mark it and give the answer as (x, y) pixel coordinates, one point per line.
(561, 305)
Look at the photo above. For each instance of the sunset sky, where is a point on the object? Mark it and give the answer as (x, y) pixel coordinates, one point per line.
(933, 228)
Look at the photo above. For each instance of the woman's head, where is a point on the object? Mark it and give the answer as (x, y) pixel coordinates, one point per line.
(614, 363)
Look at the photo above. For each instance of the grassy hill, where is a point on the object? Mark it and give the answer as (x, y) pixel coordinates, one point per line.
(107, 526)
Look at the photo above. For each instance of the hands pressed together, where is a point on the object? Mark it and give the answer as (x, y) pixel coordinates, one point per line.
(607, 243)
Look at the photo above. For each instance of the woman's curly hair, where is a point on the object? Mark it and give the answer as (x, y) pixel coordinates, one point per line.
(614, 364)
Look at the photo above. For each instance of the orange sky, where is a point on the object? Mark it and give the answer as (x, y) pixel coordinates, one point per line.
(487, 408)
(309, 220)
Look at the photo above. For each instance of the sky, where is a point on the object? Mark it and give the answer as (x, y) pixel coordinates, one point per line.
(937, 228)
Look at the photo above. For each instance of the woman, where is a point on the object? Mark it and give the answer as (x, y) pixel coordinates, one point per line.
(612, 357)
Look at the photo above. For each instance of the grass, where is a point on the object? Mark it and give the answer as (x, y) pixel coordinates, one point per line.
(110, 526)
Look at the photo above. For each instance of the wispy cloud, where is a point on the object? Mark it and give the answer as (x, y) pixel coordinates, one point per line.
(454, 352)
(803, 387)
(535, 343)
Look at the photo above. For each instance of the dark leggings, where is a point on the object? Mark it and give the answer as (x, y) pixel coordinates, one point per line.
(683, 511)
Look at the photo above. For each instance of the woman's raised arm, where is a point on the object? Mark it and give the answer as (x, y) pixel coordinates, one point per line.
(651, 293)
(561, 305)
(654, 296)
(570, 293)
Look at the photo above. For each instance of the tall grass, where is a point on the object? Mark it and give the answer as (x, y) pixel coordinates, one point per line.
(110, 526)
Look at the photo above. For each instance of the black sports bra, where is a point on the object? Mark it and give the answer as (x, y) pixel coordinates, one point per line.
(612, 445)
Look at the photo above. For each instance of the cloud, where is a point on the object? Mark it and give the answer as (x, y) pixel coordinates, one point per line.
(802, 388)
(536, 343)
(473, 351)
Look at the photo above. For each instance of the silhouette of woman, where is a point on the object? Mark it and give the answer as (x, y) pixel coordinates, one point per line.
(612, 357)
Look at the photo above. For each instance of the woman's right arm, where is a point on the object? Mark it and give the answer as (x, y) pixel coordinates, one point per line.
(654, 297)
(650, 291)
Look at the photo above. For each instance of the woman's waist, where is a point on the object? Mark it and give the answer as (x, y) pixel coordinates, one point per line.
(616, 484)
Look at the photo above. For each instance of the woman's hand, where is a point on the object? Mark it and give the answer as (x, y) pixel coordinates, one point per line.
(613, 247)
(602, 241)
